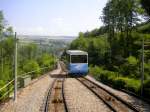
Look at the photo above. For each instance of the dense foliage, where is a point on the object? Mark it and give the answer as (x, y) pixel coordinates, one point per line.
(146, 6)
(115, 49)
(31, 57)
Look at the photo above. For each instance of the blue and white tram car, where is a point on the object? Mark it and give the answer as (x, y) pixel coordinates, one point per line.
(77, 62)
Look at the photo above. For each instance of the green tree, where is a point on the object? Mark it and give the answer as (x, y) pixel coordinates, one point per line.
(146, 6)
(1, 22)
(46, 60)
(121, 16)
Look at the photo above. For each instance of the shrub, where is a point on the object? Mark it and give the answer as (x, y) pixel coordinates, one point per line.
(128, 84)
(96, 71)
(147, 68)
(46, 60)
(147, 88)
(130, 68)
(32, 65)
(132, 60)
(102, 75)
(119, 83)
(2, 91)
(108, 77)
(1, 83)
(116, 80)
(132, 85)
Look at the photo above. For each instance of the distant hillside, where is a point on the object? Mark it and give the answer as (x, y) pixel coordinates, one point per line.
(37, 37)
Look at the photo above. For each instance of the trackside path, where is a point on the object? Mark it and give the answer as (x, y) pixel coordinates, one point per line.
(30, 98)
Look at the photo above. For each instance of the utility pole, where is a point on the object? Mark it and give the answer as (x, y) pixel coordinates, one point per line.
(15, 69)
(2, 53)
(142, 71)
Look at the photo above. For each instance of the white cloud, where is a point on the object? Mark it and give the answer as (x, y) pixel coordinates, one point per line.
(60, 26)
(58, 21)
(40, 29)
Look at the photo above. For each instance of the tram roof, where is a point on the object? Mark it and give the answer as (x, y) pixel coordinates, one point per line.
(76, 52)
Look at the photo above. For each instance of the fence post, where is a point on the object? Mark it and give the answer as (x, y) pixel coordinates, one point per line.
(142, 72)
(15, 69)
(2, 55)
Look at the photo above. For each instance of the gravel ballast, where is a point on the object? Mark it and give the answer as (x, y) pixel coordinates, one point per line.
(30, 98)
(143, 106)
(80, 99)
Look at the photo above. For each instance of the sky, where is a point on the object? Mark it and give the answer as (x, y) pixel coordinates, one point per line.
(52, 17)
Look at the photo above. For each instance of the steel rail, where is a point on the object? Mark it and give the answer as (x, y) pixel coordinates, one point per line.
(127, 104)
(111, 108)
(63, 95)
(50, 97)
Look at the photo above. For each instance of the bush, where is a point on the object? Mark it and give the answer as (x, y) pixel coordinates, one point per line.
(108, 77)
(130, 68)
(119, 83)
(6, 74)
(103, 75)
(132, 60)
(32, 65)
(133, 85)
(128, 84)
(116, 80)
(46, 60)
(96, 71)
(147, 67)
(147, 88)
(1, 85)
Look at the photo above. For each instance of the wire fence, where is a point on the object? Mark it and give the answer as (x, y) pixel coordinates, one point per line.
(8, 88)
(26, 51)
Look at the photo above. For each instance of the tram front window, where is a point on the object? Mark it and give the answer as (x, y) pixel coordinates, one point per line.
(78, 58)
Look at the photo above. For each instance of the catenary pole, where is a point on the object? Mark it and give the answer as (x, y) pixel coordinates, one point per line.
(142, 72)
(15, 69)
(2, 61)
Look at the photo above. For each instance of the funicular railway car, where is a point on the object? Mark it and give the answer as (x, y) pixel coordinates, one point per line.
(77, 62)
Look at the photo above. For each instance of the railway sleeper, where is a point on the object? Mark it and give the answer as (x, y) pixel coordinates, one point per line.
(93, 87)
(57, 100)
(108, 98)
(59, 80)
(57, 88)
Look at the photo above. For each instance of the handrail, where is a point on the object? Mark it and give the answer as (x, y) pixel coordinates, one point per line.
(31, 72)
(18, 77)
(6, 85)
(7, 92)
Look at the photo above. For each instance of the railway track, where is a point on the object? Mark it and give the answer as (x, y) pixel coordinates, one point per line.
(115, 103)
(55, 101)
